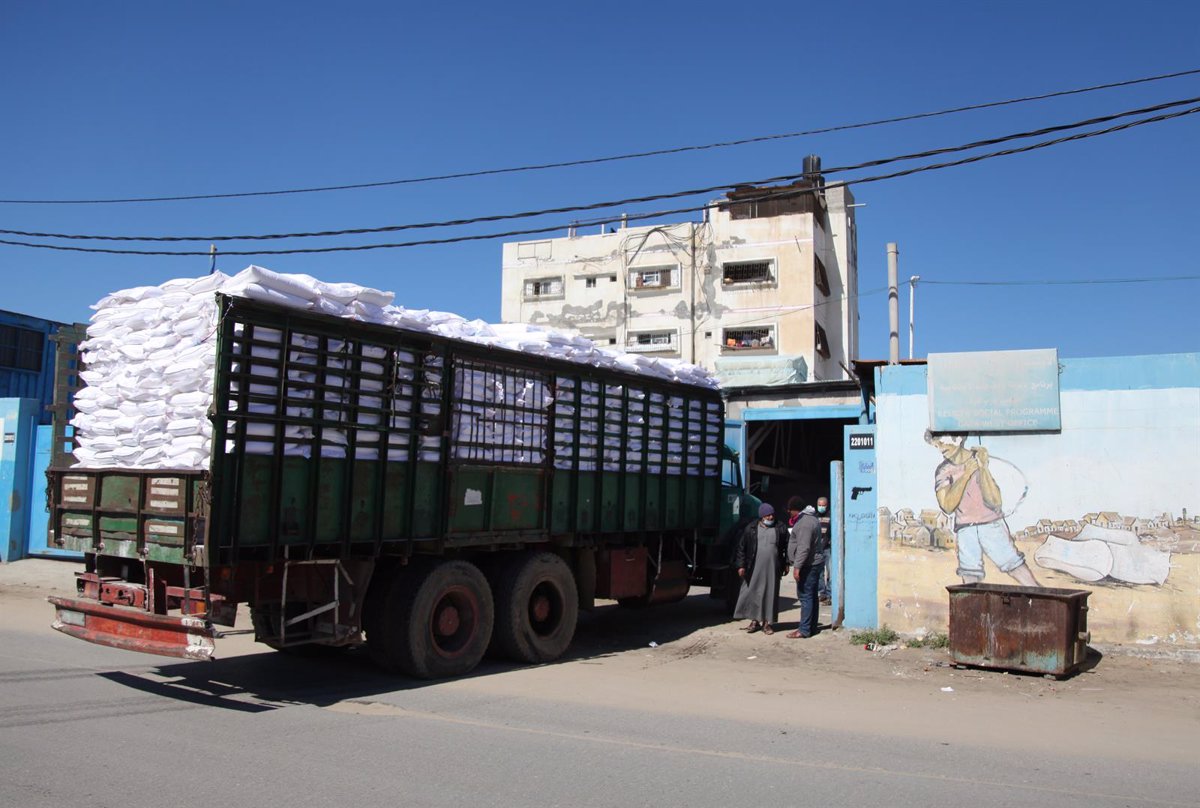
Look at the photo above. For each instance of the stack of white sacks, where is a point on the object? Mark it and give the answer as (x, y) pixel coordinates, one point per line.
(151, 352)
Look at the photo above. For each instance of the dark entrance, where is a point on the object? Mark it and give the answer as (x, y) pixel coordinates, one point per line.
(789, 457)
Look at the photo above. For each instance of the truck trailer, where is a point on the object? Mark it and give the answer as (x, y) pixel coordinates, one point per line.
(430, 497)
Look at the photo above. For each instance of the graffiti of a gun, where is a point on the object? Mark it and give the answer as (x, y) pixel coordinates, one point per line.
(856, 490)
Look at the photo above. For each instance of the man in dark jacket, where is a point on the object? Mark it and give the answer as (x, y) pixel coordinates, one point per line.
(760, 561)
(806, 554)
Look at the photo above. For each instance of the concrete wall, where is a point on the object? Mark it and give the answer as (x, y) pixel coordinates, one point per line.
(600, 297)
(1110, 504)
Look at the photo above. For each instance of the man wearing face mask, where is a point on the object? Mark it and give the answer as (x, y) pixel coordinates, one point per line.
(823, 519)
(807, 557)
(760, 561)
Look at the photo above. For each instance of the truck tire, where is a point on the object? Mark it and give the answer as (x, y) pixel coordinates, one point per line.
(436, 620)
(375, 607)
(537, 606)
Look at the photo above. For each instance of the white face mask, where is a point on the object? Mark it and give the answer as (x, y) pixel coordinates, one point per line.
(768, 521)
(821, 509)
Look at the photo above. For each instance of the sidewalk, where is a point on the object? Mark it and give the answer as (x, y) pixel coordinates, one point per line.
(51, 575)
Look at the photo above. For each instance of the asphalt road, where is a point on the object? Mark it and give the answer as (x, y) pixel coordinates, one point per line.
(90, 726)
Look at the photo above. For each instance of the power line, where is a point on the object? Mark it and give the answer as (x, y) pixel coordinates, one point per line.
(619, 202)
(613, 158)
(778, 194)
(1079, 282)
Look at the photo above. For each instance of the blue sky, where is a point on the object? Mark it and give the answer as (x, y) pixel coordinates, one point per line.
(146, 99)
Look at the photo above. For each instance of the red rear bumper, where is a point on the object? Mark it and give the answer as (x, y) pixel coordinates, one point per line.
(134, 629)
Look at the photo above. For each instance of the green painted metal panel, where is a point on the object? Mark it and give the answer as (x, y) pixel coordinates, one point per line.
(586, 506)
(516, 499)
(691, 515)
(560, 502)
(253, 517)
(654, 502)
(121, 549)
(364, 502)
(470, 498)
(395, 501)
(120, 528)
(633, 505)
(672, 502)
(170, 555)
(293, 500)
(165, 530)
(426, 502)
(610, 514)
(711, 502)
(330, 488)
(120, 493)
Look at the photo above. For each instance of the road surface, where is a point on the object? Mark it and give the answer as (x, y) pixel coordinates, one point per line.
(708, 717)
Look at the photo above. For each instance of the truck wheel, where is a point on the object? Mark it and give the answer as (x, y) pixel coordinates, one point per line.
(436, 621)
(537, 605)
(383, 579)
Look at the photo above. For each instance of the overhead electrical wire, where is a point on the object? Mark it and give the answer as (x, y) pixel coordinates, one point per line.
(767, 195)
(614, 158)
(577, 208)
(1076, 282)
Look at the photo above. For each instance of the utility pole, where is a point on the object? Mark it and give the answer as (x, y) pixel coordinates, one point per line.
(912, 294)
(893, 306)
(692, 285)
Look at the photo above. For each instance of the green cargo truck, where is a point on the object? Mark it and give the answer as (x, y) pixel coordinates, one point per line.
(430, 497)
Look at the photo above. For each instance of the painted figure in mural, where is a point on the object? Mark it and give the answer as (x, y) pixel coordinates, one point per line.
(806, 554)
(824, 519)
(966, 490)
(760, 562)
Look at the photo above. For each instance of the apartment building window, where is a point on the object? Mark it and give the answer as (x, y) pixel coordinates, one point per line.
(542, 288)
(21, 348)
(735, 272)
(590, 283)
(759, 338)
(652, 342)
(822, 341)
(821, 277)
(659, 277)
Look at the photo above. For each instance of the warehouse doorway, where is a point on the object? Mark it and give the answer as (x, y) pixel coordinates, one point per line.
(792, 456)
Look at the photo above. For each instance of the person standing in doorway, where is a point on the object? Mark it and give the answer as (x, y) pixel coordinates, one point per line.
(966, 490)
(823, 518)
(807, 558)
(760, 562)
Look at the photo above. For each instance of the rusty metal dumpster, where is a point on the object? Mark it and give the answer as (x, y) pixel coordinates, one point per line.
(1019, 628)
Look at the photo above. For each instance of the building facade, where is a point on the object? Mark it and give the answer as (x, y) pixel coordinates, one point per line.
(762, 291)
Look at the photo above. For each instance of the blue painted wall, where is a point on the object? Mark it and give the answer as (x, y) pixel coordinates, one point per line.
(859, 513)
(18, 427)
(38, 384)
(1109, 503)
(39, 519)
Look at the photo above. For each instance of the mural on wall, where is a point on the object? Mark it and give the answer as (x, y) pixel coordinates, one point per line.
(967, 491)
(1107, 503)
(974, 515)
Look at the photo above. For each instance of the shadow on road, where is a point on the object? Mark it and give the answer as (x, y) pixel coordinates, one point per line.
(272, 679)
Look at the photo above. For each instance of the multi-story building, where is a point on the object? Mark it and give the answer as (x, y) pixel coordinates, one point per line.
(762, 291)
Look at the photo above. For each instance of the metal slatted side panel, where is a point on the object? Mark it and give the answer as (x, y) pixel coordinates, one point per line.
(318, 432)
